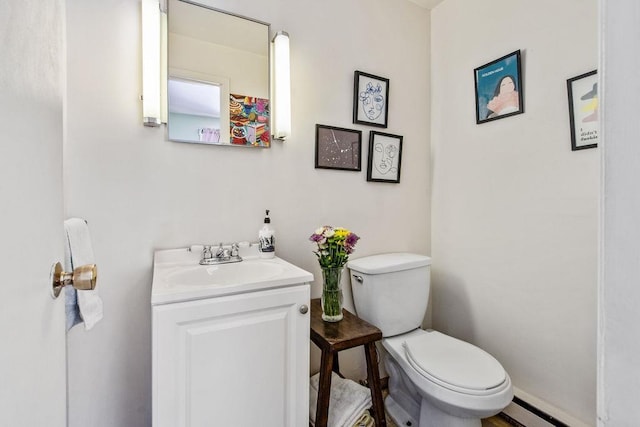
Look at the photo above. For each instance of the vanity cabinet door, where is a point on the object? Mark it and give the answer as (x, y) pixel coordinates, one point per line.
(239, 360)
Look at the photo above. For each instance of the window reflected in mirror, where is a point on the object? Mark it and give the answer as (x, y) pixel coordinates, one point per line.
(194, 111)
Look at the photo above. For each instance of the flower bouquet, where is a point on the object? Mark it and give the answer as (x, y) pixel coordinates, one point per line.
(334, 247)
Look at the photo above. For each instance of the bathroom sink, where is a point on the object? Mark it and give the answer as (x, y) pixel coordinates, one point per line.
(224, 274)
(178, 276)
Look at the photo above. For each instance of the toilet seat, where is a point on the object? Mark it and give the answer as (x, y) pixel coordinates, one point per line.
(454, 364)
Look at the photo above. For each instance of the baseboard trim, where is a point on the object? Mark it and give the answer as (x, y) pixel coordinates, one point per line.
(558, 417)
(539, 413)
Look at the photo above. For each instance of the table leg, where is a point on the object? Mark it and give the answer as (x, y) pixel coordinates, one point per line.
(374, 384)
(324, 389)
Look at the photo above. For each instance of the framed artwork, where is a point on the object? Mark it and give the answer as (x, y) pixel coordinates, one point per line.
(370, 99)
(338, 148)
(499, 88)
(583, 110)
(385, 155)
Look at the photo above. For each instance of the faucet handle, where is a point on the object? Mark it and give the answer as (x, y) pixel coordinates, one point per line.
(234, 249)
(206, 252)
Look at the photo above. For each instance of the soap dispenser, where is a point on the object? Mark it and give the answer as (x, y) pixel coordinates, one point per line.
(267, 238)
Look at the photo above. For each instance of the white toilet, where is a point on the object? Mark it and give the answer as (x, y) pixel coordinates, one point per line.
(434, 380)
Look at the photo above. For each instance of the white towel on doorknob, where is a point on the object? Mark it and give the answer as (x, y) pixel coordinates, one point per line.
(81, 306)
(348, 401)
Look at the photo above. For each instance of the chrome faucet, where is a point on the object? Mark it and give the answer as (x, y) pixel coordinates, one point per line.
(223, 255)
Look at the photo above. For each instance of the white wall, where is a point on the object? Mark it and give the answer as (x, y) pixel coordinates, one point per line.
(140, 193)
(515, 211)
(619, 294)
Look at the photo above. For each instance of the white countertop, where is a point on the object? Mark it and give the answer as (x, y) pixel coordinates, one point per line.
(171, 263)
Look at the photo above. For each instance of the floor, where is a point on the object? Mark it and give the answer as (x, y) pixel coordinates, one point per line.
(496, 421)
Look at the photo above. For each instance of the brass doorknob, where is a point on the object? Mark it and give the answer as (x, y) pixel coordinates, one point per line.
(82, 278)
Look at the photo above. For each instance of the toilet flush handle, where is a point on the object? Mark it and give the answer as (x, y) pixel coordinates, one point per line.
(359, 279)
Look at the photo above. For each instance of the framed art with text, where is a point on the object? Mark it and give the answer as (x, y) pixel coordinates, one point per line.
(498, 87)
(583, 110)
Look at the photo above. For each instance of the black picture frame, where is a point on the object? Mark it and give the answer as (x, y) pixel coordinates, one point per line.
(583, 110)
(370, 99)
(338, 148)
(498, 88)
(385, 157)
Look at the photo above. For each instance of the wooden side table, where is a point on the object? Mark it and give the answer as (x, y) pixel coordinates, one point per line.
(332, 338)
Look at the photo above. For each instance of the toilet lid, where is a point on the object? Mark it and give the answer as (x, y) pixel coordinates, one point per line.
(453, 363)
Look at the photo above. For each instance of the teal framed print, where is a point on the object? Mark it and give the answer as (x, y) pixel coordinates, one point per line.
(498, 87)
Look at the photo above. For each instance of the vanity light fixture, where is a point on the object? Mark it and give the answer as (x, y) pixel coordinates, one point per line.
(282, 86)
(151, 63)
(164, 52)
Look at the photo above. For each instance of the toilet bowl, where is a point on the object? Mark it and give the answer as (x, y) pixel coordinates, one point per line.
(434, 380)
(459, 380)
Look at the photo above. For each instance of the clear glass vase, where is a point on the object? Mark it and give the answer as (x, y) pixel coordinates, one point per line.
(331, 294)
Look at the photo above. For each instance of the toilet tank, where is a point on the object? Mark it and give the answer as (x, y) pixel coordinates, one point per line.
(391, 291)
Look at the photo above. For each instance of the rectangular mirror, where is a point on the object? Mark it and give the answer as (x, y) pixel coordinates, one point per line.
(218, 77)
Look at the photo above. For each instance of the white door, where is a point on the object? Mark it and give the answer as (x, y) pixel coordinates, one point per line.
(32, 330)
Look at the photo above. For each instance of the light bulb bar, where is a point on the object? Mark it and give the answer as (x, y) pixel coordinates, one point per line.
(151, 63)
(282, 86)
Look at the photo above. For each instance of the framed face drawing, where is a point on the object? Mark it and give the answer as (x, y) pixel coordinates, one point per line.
(385, 155)
(370, 99)
(499, 88)
(583, 110)
(338, 148)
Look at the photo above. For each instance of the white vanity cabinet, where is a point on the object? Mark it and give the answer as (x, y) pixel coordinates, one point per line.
(240, 360)
(233, 360)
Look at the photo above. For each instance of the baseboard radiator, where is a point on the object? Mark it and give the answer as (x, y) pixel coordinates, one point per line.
(523, 414)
